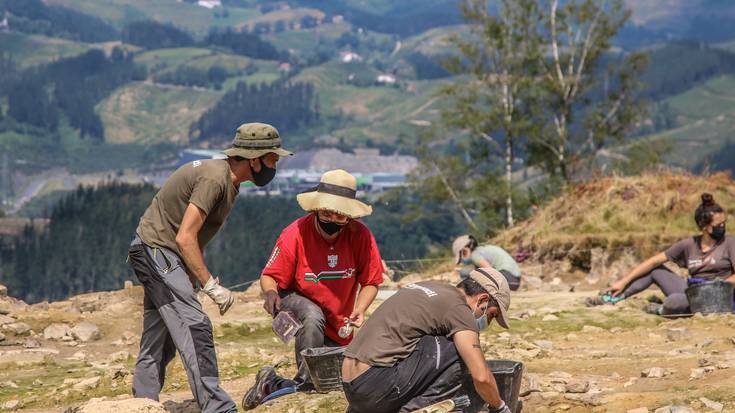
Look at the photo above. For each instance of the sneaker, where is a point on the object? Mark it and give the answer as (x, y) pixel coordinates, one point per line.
(653, 308)
(603, 299)
(261, 389)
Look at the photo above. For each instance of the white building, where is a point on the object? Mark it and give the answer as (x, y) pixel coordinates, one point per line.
(209, 4)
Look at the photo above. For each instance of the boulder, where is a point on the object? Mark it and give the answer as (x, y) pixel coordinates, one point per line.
(544, 344)
(57, 331)
(86, 331)
(18, 329)
(121, 406)
(592, 329)
(10, 405)
(677, 333)
(654, 372)
(4, 319)
(88, 384)
(697, 373)
(550, 317)
(578, 386)
(711, 404)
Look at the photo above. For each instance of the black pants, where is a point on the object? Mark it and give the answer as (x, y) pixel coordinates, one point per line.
(432, 373)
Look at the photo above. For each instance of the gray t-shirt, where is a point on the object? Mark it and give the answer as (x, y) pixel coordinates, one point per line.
(428, 308)
(497, 257)
(715, 263)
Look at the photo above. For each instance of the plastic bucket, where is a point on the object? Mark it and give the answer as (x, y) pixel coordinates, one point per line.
(325, 367)
(508, 375)
(710, 297)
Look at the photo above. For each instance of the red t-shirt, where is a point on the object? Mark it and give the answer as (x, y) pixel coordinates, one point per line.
(304, 261)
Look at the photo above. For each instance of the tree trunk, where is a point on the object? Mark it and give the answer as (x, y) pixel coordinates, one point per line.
(509, 180)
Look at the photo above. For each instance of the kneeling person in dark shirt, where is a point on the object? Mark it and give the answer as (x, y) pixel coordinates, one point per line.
(412, 352)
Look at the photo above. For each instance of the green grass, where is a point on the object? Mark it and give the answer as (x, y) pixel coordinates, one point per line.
(191, 17)
(145, 113)
(31, 50)
(714, 98)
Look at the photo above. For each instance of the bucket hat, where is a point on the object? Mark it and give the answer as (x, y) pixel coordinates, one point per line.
(253, 140)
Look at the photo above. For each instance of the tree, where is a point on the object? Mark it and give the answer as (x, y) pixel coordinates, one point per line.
(500, 56)
(584, 106)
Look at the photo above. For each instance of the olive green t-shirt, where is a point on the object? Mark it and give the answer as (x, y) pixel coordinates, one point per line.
(206, 184)
(715, 263)
(432, 308)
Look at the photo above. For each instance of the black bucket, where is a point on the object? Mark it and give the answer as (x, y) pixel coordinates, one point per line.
(508, 375)
(710, 297)
(325, 367)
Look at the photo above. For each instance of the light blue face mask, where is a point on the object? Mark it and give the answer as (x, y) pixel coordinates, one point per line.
(481, 321)
(467, 261)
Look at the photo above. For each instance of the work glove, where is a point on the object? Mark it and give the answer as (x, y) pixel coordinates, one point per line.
(272, 302)
(503, 408)
(219, 294)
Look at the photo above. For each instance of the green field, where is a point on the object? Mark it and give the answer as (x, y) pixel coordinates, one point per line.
(706, 117)
(190, 17)
(146, 113)
(30, 50)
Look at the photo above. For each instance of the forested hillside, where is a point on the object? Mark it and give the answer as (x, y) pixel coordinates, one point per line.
(85, 245)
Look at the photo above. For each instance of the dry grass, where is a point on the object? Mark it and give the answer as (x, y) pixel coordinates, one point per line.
(647, 212)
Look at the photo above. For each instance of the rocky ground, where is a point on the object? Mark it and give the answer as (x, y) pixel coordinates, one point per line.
(78, 355)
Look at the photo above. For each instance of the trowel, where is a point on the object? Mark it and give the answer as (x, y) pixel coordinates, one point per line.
(446, 406)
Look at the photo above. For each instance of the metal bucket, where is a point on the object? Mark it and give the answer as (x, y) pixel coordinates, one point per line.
(508, 375)
(325, 367)
(710, 297)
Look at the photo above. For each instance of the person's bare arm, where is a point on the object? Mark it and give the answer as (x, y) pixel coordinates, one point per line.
(643, 268)
(269, 286)
(468, 347)
(188, 242)
(483, 263)
(363, 301)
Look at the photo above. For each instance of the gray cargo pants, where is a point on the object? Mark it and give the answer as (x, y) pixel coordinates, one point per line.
(311, 335)
(173, 319)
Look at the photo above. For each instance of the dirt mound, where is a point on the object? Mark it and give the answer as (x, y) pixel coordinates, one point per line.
(596, 231)
(647, 212)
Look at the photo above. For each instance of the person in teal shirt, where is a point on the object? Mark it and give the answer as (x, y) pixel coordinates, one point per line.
(468, 251)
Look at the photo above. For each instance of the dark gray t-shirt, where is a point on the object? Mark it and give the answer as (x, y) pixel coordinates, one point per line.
(715, 263)
(428, 308)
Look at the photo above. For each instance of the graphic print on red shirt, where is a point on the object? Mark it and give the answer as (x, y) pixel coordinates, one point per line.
(327, 274)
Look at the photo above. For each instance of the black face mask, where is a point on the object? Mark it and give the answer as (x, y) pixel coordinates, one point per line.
(330, 228)
(264, 176)
(718, 232)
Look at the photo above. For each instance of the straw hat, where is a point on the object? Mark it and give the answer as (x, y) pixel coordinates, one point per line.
(336, 192)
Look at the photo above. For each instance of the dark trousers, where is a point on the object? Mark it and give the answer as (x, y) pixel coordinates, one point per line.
(432, 373)
(311, 335)
(672, 285)
(173, 319)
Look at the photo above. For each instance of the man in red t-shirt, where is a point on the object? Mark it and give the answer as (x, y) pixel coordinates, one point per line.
(314, 271)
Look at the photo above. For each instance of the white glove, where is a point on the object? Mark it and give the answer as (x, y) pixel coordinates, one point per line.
(503, 408)
(219, 294)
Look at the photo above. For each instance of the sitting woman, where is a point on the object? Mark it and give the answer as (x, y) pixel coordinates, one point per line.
(707, 257)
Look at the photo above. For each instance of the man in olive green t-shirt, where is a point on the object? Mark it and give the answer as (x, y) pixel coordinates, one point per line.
(410, 353)
(166, 255)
